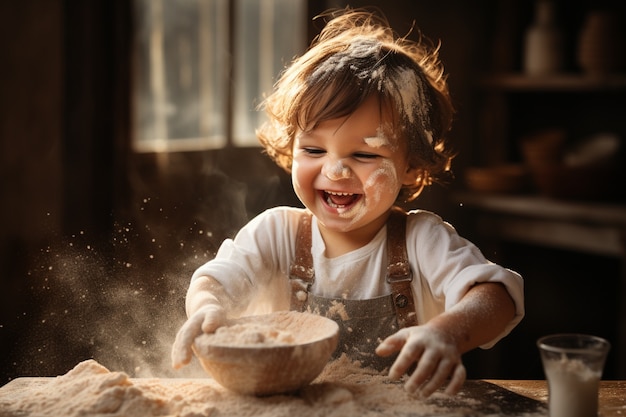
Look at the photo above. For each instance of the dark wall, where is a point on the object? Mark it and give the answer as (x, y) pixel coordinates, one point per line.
(64, 120)
(31, 120)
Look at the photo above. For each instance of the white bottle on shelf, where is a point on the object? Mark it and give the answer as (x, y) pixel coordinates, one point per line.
(543, 42)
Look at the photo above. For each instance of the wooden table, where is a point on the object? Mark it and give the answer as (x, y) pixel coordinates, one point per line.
(612, 394)
(510, 398)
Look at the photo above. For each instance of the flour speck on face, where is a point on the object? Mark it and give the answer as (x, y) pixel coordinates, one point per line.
(377, 141)
(336, 170)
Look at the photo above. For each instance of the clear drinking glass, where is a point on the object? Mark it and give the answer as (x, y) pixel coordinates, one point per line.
(573, 365)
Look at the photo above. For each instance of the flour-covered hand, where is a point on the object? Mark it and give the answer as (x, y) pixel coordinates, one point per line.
(436, 355)
(206, 320)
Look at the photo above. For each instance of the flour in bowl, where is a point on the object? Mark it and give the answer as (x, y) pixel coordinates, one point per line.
(248, 334)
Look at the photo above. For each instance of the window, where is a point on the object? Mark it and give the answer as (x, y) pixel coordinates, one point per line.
(270, 34)
(183, 50)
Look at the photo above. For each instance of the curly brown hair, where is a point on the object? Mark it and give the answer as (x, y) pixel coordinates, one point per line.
(356, 55)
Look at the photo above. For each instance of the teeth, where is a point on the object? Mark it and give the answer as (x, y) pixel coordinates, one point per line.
(331, 194)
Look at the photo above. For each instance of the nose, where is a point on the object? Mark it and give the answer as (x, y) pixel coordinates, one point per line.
(335, 169)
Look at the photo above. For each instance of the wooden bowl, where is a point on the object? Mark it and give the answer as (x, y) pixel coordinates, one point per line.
(544, 148)
(268, 354)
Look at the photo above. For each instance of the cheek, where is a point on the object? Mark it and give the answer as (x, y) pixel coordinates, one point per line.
(295, 174)
(383, 179)
(300, 175)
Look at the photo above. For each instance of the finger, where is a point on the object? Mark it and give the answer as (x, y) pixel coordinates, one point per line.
(410, 354)
(213, 319)
(391, 344)
(181, 351)
(457, 380)
(426, 367)
(444, 370)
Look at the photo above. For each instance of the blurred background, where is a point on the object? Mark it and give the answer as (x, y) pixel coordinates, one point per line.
(127, 154)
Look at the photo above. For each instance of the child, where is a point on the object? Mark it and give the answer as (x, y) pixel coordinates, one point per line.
(359, 120)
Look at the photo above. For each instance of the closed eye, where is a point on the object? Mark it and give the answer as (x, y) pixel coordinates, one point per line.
(367, 156)
(314, 151)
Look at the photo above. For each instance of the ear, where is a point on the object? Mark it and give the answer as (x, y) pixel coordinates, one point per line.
(412, 175)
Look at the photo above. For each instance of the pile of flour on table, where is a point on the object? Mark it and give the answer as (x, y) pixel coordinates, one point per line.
(344, 389)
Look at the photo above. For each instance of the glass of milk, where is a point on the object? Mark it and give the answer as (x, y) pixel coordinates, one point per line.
(573, 366)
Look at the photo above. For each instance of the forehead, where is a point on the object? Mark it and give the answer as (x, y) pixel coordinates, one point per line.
(369, 124)
(365, 119)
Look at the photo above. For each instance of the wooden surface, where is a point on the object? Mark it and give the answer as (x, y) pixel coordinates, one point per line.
(612, 396)
(504, 397)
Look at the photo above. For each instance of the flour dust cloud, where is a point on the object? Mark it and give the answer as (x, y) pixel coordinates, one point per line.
(119, 301)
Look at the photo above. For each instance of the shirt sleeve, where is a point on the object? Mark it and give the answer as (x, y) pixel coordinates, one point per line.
(451, 265)
(253, 267)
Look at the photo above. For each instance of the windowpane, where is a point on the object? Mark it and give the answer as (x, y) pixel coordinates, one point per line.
(269, 33)
(182, 61)
(180, 74)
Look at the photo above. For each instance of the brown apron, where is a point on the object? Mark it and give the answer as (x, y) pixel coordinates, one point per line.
(363, 324)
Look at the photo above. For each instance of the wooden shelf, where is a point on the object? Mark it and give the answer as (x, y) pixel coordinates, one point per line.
(582, 226)
(539, 206)
(560, 83)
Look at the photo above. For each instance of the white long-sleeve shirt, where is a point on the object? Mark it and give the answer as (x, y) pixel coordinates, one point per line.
(253, 267)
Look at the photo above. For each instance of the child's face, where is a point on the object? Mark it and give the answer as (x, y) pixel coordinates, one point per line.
(348, 172)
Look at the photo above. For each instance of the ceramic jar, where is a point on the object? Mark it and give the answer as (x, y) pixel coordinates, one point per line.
(601, 45)
(543, 42)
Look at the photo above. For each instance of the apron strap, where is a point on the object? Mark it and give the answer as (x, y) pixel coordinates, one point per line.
(399, 274)
(301, 272)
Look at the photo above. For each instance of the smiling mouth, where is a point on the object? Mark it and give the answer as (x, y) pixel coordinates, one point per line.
(340, 200)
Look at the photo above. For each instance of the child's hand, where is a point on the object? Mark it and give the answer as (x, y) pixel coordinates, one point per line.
(207, 319)
(436, 355)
